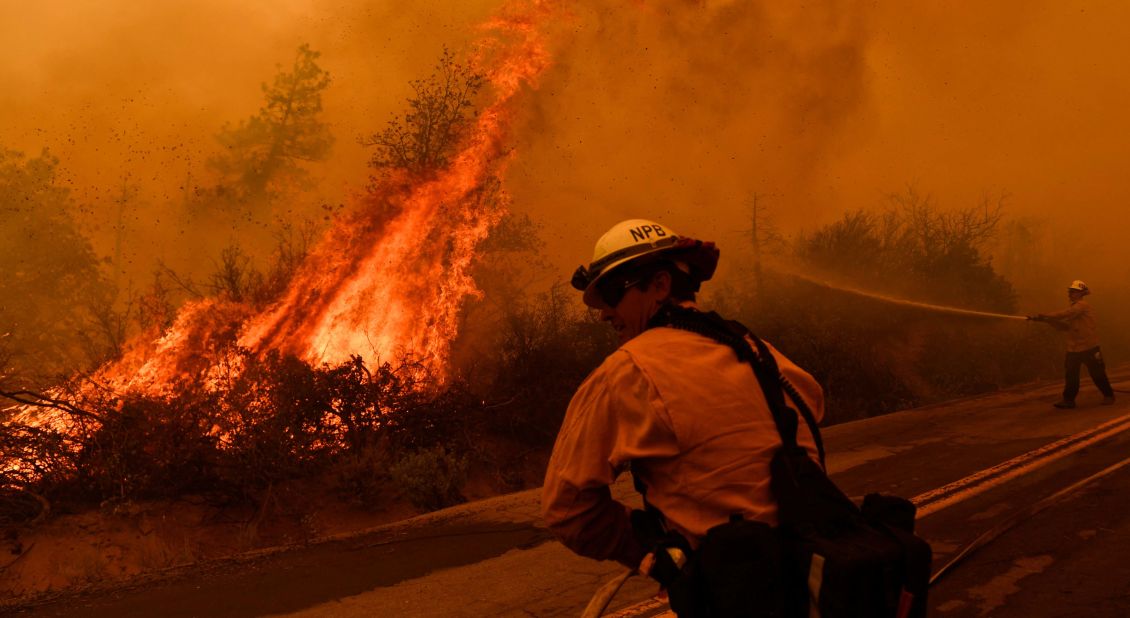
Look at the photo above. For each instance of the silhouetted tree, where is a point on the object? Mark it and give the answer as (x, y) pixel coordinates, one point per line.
(438, 117)
(269, 149)
(763, 236)
(917, 249)
(125, 204)
(51, 286)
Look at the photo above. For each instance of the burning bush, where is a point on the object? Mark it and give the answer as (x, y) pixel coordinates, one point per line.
(269, 419)
(141, 447)
(256, 381)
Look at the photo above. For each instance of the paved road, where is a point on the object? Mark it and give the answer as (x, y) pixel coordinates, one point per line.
(492, 558)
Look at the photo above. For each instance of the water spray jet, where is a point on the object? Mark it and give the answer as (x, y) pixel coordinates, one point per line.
(897, 301)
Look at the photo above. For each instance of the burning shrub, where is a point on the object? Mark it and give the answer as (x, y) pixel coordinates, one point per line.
(255, 422)
(147, 447)
(369, 405)
(35, 457)
(273, 424)
(193, 413)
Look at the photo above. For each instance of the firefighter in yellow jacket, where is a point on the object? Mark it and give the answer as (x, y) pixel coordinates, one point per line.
(678, 408)
(1078, 322)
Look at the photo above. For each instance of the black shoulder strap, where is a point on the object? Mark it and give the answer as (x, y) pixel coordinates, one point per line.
(769, 364)
(773, 384)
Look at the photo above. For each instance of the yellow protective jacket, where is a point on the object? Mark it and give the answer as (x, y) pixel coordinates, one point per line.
(692, 422)
(1079, 318)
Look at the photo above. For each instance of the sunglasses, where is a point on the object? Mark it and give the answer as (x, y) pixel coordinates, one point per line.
(612, 291)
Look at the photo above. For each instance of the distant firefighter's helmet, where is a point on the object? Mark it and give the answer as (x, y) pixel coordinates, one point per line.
(1079, 286)
(636, 240)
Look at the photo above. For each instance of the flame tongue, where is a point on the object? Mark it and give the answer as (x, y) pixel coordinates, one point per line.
(197, 340)
(394, 288)
(398, 293)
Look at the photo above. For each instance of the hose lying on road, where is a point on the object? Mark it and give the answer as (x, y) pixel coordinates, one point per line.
(603, 596)
(1020, 516)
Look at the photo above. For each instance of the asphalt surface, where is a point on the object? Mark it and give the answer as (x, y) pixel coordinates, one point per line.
(493, 558)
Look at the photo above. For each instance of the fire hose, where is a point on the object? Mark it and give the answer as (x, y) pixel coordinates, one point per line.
(604, 595)
(1023, 514)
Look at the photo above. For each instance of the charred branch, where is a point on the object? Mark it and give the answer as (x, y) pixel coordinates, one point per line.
(40, 400)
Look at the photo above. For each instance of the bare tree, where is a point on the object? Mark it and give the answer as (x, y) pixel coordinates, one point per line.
(125, 202)
(918, 218)
(763, 235)
(916, 248)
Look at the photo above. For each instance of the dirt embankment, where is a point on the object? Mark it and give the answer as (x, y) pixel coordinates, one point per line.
(121, 543)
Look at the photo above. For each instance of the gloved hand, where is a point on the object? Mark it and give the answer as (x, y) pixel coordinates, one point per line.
(663, 565)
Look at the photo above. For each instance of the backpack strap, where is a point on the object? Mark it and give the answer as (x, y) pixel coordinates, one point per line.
(770, 369)
(773, 384)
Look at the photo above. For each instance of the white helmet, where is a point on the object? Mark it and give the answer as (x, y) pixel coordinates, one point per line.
(1079, 286)
(637, 239)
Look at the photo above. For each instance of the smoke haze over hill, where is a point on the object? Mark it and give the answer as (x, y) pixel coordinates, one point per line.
(678, 111)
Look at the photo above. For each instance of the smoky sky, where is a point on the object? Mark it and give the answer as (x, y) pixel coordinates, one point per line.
(677, 111)
(132, 94)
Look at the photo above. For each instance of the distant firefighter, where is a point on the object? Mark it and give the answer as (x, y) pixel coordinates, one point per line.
(1078, 321)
